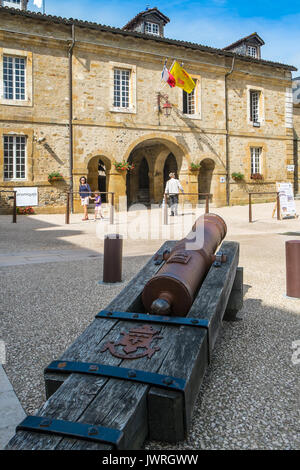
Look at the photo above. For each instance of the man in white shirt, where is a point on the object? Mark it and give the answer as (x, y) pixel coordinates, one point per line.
(172, 189)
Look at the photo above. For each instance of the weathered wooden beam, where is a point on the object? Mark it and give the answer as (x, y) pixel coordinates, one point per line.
(191, 357)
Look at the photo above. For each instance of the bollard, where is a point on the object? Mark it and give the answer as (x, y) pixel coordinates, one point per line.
(14, 218)
(292, 256)
(165, 209)
(112, 264)
(112, 209)
(67, 215)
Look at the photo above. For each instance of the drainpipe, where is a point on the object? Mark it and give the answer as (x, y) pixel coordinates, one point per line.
(227, 136)
(71, 114)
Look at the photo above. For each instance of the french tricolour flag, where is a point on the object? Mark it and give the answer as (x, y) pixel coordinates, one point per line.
(166, 76)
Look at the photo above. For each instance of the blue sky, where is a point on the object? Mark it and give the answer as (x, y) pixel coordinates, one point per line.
(215, 23)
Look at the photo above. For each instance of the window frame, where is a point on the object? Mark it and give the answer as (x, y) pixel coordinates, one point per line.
(15, 54)
(15, 70)
(14, 138)
(254, 114)
(261, 106)
(131, 108)
(251, 49)
(253, 162)
(16, 3)
(123, 96)
(151, 24)
(197, 99)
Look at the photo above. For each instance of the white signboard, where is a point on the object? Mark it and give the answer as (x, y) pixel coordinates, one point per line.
(27, 196)
(287, 202)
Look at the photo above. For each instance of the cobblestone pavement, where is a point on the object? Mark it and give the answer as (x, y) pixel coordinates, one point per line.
(50, 293)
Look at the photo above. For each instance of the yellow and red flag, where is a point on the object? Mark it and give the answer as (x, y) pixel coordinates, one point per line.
(182, 78)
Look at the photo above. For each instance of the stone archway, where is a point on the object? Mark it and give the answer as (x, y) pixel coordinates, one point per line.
(98, 174)
(170, 166)
(153, 159)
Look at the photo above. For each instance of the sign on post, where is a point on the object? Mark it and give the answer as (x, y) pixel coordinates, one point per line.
(27, 196)
(286, 197)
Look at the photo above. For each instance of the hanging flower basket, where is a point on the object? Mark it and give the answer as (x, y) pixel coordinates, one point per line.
(55, 176)
(123, 166)
(237, 176)
(195, 166)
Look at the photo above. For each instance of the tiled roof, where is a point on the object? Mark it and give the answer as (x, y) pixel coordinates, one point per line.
(236, 43)
(134, 20)
(135, 34)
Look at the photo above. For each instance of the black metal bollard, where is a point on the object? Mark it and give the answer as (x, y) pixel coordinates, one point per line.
(112, 264)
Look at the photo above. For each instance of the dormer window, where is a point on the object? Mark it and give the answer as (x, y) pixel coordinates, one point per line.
(12, 3)
(150, 21)
(252, 51)
(250, 46)
(152, 28)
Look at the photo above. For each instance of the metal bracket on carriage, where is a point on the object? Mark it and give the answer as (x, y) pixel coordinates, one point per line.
(218, 259)
(158, 258)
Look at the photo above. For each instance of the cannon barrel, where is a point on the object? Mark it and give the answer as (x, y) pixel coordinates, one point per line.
(173, 289)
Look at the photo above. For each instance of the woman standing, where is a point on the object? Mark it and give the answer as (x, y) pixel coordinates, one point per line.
(84, 193)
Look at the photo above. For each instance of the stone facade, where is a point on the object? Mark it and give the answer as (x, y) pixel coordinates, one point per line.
(140, 134)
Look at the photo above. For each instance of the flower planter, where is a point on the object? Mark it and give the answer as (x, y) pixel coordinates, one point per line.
(53, 178)
(25, 210)
(257, 177)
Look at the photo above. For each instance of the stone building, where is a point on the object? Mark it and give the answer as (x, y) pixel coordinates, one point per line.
(79, 98)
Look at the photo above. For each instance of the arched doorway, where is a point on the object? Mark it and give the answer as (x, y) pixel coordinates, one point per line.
(170, 166)
(98, 171)
(205, 176)
(153, 159)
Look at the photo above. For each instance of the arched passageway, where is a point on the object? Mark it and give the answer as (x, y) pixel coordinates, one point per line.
(153, 160)
(98, 174)
(170, 166)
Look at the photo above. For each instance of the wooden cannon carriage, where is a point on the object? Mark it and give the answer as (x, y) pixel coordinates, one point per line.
(132, 376)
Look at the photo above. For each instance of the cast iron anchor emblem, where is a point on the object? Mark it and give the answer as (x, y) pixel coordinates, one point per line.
(134, 339)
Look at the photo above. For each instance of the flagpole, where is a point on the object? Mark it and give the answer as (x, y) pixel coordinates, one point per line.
(44, 7)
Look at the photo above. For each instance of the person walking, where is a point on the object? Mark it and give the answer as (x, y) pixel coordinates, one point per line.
(172, 189)
(84, 192)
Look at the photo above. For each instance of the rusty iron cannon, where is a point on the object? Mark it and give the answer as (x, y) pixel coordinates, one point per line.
(173, 289)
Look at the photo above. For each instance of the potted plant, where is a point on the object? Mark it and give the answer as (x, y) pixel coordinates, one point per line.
(257, 177)
(237, 176)
(54, 176)
(195, 166)
(123, 166)
(25, 210)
